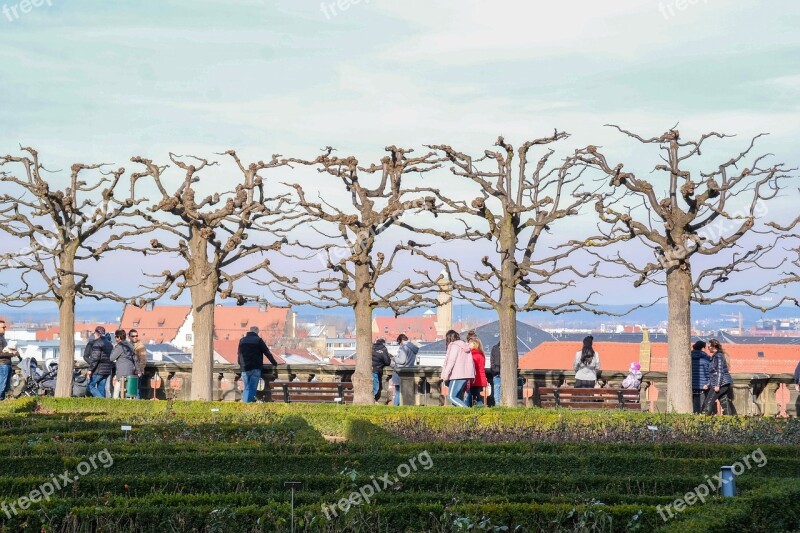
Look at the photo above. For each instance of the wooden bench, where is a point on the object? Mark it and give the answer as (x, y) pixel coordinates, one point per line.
(313, 392)
(549, 397)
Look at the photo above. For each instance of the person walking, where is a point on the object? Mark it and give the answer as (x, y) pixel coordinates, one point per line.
(700, 362)
(140, 351)
(252, 350)
(719, 381)
(6, 354)
(406, 356)
(127, 364)
(587, 363)
(457, 368)
(100, 366)
(494, 367)
(478, 383)
(380, 360)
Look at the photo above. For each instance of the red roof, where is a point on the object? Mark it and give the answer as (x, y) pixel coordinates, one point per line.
(54, 332)
(417, 328)
(777, 359)
(159, 324)
(232, 323)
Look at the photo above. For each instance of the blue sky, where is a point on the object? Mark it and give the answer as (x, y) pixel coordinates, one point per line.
(101, 81)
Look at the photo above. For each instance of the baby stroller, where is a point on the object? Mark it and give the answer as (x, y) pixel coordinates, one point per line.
(36, 382)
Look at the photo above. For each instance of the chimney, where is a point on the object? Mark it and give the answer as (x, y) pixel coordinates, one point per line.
(262, 307)
(149, 306)
(444, 311)
(645, 350)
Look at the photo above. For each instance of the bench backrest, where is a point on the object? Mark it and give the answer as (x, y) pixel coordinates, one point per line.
(311, 392)
(586, 398)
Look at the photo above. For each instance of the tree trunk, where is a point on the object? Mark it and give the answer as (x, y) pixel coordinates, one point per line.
(679, 371)
(362, 377)
(203, 284)
(509, 359)
(507, 315)
(66, 322)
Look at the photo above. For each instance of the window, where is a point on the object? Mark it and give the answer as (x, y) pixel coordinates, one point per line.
(136, 324)
(188, 337)
(761, 354)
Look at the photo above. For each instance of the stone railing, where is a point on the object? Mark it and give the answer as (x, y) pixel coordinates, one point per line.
(759, 394)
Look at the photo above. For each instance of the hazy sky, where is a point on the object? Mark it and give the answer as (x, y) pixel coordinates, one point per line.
(101, 81)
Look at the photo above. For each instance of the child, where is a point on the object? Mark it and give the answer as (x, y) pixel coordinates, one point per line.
(634, 378)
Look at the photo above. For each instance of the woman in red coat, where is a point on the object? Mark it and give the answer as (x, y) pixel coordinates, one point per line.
(479, 382)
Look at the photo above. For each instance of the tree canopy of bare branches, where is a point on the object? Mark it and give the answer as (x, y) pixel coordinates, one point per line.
(701, 214)
(350, 267)
(59, 230)
(213, 239)
(521, 197)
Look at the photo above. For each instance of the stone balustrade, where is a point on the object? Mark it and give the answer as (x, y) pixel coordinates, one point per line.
(754, 394)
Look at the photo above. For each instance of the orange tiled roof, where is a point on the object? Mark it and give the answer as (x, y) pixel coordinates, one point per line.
(778, 358)
(159, 324)
(54, 332)
(418, 328)
(232, 323)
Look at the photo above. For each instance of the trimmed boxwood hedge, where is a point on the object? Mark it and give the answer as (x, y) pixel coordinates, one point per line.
(185, 468)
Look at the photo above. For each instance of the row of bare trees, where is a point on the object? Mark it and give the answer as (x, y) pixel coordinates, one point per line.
(531, 228)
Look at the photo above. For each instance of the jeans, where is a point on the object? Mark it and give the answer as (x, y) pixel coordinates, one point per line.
(475, 397)
(97, 386)
(5, 380)
(397, 394)
(454, 389)
(496, 390)
(377, 386)
(250, 378)
(584, 384)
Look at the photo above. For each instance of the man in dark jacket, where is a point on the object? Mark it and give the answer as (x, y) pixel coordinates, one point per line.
(252, 350)
(100, 365)
(495, 369)
(700, 360)
(380, 360)
(6, 353)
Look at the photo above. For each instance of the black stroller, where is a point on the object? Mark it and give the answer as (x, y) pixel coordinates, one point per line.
(37, 382)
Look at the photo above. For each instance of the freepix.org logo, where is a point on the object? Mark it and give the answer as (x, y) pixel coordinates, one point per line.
(15, 11)
(711, 485)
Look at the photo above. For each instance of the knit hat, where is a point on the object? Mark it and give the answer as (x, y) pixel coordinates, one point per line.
(635, 367)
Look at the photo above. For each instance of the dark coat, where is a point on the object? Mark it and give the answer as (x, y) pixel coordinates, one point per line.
(5, 358)
(495, 360)
(700, 362)
(252, 350)
(100, 357)
(718, 374)
(797, 375)
(380, 357)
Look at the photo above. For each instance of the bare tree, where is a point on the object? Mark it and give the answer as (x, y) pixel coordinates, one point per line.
(703, 214)
(350, 265)
(58, 230)
(212, 240)
(518, 204)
